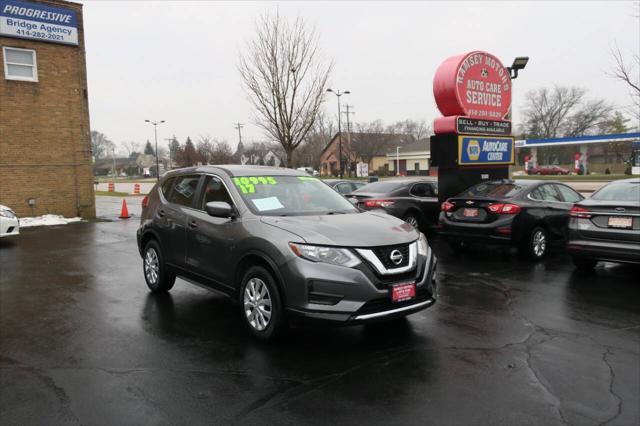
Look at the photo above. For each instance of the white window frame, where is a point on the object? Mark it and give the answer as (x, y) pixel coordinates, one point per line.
(7, 63)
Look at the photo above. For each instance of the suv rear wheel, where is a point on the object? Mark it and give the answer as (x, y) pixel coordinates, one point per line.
(261, 304)
(157, 275)
(413, 219)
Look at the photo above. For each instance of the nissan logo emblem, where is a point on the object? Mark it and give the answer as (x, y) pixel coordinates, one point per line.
(396, 257)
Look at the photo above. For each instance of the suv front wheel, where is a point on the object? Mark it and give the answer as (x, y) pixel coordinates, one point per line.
(261, 304)
(157, 275)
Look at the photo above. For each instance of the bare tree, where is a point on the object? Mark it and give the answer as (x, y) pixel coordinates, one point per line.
(131, 147)
(101, 146)
(308, 154)
(222, 153)
(546, 110)
(419, 129)
(205, 149)
(286, 79)
(588, 116)
(628, 74)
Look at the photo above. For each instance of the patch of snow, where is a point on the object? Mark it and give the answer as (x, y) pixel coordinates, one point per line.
(46, 220)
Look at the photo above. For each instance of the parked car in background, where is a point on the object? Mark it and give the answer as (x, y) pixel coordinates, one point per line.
(9, 223)
(283, 245)
(549, 170)
(309, 170)
(344, 186)
(528, 214)
(413, 200)
(606, 226)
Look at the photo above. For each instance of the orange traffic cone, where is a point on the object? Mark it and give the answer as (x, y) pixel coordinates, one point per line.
(124, 213)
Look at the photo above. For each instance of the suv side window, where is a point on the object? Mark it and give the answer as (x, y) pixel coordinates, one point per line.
(184, 190)
(213, 190)
(421, 190)
(166, 187)
(569, 195)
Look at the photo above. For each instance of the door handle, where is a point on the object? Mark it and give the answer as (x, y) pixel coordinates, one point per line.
(161, 213)
(193, 224)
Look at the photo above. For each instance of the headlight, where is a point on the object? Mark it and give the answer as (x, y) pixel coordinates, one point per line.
(7, 213)
(331, 255)
(423, 246)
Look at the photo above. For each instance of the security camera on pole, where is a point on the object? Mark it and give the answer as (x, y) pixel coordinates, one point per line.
(472, 142)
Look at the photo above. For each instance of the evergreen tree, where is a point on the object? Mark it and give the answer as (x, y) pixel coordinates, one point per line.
(148, 149)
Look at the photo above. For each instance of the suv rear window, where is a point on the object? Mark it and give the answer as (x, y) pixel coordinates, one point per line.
(382, 187)
(166, 187)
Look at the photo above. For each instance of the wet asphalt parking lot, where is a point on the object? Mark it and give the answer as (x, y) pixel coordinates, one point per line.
(509, 342)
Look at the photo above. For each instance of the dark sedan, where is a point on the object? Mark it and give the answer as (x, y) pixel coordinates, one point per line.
(527, 214)
(413, 200)
(344, 186)
(607, 225)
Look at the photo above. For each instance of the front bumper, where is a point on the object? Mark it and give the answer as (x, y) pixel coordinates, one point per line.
(9, 226)
(324, 294)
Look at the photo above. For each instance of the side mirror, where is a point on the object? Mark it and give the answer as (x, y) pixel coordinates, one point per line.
(220, 209)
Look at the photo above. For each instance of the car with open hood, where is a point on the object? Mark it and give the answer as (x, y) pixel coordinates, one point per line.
(284, 246)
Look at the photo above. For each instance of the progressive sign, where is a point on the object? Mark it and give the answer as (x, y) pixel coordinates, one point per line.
(485, 150)
(35, 21)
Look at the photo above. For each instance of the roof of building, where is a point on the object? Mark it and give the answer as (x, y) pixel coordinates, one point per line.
(417, 146)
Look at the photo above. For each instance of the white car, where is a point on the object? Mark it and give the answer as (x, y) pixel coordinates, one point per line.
(9, 224)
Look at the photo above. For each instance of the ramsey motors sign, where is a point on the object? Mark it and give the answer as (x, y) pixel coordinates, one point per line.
(474, 85)
(38, 22)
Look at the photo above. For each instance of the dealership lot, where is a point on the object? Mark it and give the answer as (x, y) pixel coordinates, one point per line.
(509, 342)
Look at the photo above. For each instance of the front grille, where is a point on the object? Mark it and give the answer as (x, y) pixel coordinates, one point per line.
(383, 254)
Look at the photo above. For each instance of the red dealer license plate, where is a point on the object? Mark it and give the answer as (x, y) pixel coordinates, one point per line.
(402, 292)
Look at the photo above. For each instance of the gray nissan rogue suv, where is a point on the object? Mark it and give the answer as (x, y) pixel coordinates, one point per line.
(284, 245)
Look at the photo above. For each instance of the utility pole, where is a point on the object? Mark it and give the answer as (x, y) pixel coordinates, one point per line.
(348, 112)
(338, 93)
(239, 127)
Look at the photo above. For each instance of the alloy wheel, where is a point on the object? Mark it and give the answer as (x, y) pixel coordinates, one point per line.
(539, 243)
(411, 220)
(257, 304)
(151, 266)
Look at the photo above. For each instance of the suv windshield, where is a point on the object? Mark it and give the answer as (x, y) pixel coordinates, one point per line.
(492, 189)
(290, 196)
(619, 191)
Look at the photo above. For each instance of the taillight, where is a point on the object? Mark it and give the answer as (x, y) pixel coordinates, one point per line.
(447, 206)
(579, 212)
(378, 203)
(504, 208)
(145, 201)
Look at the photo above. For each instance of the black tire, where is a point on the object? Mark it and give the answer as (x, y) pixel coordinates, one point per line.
(584, 264)
(536, 245)
(157, 274)
(255, 310)
(414, 220)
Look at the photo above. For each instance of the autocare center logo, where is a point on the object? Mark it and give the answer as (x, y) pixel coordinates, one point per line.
(38, 22)
(475, 85)
(485, 150)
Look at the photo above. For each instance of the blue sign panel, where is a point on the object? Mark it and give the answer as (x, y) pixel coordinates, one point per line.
(485, 150)
(38, 22)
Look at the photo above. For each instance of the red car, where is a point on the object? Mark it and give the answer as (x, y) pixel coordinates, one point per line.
(549, 170)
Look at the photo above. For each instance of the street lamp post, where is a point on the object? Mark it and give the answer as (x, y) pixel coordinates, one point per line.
(338, 93)
(155, 134)
(398, 160)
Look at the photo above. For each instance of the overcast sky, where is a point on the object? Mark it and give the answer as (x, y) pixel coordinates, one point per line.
(176, 61)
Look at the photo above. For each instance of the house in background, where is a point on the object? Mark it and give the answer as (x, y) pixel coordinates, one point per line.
(370, 148)
(413, 159)
(259, 153)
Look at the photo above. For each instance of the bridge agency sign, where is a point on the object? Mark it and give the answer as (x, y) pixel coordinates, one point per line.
(40, 22)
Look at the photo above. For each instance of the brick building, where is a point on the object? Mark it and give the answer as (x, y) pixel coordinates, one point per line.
(45, 145)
